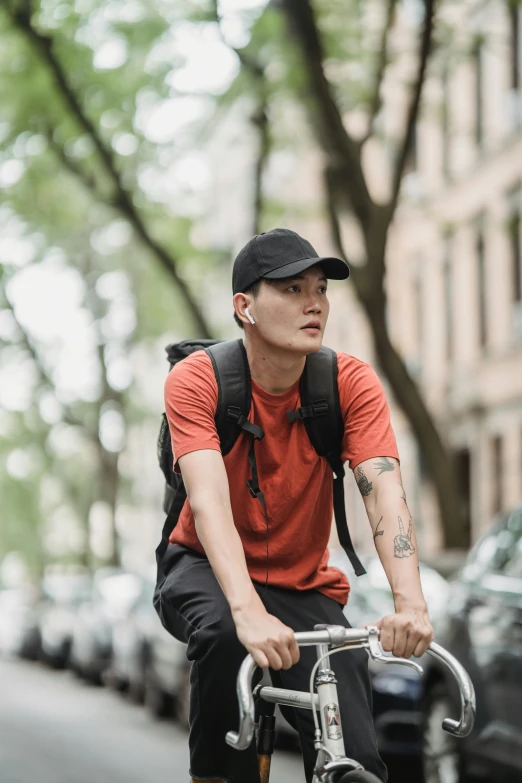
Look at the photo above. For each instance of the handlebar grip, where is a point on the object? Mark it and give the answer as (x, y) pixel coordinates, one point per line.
(468, 705)
(242, 740)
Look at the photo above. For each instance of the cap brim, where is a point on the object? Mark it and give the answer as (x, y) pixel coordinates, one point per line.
(334, 268)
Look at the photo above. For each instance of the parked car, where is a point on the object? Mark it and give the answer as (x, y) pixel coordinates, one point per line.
(167, 672)
(63, 594)
(131, 636)
(19, 628)
(483, 629)
(114, 592)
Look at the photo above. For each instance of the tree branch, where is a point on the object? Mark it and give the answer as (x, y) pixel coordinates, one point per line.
(72, 166)
(45, 377)
(331, 210)
(376, 102)
(260, 120)
(413, 111)
(123, 198)
(343, 150)
(331, 188)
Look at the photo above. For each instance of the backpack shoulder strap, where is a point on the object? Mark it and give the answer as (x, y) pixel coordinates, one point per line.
(320, 398)
(322, 416)
(232, 372)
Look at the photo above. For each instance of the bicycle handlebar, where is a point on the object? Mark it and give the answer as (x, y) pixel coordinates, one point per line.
(338, 636)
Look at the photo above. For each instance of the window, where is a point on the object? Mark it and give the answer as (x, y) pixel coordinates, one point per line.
(448, 294)
(496, 473)
(480, 246)
(478, 65)
(515, 241)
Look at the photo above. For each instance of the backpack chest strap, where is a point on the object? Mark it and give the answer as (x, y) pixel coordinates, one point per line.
(324, 423)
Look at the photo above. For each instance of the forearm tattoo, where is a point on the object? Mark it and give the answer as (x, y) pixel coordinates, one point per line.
(384, 466)
(365, 486)
(402, 545)
(377, 531)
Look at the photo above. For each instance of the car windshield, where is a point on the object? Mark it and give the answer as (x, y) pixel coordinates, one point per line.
(499, 551)
(120, 591)
(71, 590)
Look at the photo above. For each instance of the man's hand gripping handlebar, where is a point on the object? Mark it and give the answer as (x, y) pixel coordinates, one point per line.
(336, 636)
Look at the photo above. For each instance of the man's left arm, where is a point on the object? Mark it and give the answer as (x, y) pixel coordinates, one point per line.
(407, 632)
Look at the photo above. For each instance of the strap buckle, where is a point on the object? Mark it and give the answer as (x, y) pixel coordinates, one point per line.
(320, 408)
(317, 408)
(233, 414)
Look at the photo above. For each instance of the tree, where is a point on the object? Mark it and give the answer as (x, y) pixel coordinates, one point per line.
(49, 52)
(78, 189)
(92, 478)
(347, 188)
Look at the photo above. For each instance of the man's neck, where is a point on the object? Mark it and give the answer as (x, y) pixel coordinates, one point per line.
(274, 370)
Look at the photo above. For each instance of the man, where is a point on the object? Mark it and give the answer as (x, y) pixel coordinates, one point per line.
(239, 580)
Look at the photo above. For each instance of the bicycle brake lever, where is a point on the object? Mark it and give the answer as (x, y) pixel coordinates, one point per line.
(378, 654)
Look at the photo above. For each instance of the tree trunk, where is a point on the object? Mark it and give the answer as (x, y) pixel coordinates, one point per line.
(346, 185)
(109, 484)
(438, 461)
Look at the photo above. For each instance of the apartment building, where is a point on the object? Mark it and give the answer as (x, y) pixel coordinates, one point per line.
(455, 256)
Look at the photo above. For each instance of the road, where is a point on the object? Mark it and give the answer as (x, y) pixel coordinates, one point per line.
(55, 729)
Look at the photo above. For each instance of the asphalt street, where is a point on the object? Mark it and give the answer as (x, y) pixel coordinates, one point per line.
(55, 729)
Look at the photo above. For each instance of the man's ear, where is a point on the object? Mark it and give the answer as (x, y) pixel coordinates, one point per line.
(241, 301)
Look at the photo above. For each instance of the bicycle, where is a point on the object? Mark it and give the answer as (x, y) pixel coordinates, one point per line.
(332, 765)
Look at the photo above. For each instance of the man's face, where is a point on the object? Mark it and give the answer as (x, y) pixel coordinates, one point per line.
(291, 314)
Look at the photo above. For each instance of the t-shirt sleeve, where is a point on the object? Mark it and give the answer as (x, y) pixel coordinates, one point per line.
(191, 397)
(367, 428)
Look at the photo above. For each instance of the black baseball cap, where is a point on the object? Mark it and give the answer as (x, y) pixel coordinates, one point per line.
(277, 254)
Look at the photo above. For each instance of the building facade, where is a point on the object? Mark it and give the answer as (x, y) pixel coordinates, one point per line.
(455, 255)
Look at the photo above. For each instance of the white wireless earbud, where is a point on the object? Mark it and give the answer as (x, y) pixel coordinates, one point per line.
(247, 313)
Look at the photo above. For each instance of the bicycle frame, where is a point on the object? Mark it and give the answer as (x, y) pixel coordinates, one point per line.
(329, 743)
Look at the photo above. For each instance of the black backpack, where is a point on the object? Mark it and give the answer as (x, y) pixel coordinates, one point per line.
(320, 411)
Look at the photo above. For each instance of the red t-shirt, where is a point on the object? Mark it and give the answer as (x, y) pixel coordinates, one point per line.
(296, 482)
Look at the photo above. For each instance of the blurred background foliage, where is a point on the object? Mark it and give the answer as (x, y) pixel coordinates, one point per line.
(97, 209)
(108, 111)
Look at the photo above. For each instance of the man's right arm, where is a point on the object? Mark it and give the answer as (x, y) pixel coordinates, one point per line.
(264, 636)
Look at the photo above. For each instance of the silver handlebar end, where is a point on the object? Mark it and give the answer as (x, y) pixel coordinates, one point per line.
(468, 705)
(452, 727)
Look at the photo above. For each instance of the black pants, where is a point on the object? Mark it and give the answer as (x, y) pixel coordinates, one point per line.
(192, 608)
